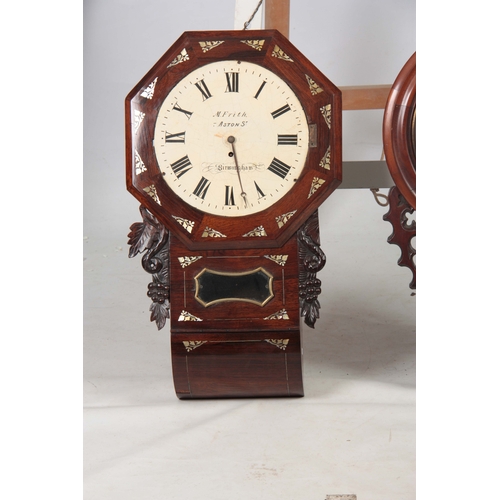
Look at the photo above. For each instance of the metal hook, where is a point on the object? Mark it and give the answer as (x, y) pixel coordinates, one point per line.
(379, 196)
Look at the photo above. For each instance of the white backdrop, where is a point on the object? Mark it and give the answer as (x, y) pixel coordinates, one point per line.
(354, 431)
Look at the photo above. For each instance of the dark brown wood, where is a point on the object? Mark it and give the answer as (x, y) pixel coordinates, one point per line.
(236, 355)
(311, 260)
(403, 231)
(399, 131)
(152, 238)
(299, 200)
(237, 364)
(233, 315)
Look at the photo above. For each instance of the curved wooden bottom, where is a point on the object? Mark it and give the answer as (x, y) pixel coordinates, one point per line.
(237, 365)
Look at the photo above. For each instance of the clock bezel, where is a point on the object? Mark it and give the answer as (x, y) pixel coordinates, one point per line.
(191, 224)
(399, 131)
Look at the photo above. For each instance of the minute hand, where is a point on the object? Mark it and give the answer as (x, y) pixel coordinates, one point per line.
(231, 139)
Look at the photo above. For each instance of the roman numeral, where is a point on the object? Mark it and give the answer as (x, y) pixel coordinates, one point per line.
(279, 168)
(287, 140)
(256, 96)
(280, 111)
(178, 108)
(232, 82)
(229, 196)
(181, 166)
(202, 188)
(180, 137)
(260, 193)
(202, 87)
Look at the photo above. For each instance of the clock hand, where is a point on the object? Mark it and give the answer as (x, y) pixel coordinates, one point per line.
(231, 139)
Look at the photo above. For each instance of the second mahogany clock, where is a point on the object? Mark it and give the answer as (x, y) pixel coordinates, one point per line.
(233, 140)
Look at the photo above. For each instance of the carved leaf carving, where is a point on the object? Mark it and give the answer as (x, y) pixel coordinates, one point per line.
(311, 260)
(140, 238)
(160, 313)
(151, 237)
(145, 235)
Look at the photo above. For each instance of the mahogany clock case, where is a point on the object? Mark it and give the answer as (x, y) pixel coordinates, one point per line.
(235, 287)
(399, 131)
(321, 102)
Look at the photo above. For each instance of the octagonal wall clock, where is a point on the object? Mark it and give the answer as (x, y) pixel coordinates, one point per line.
(233, 140)
(233, 137)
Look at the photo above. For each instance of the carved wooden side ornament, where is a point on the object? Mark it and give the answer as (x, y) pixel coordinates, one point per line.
(311, 260)
(403, 230)
(151, 237)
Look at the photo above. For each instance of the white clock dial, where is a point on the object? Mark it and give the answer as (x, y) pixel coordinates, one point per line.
(231, 138)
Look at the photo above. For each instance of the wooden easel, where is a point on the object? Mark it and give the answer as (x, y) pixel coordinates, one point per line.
(357, 174)
(277, 16)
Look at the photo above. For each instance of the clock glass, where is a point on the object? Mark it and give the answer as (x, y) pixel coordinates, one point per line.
(231, 138)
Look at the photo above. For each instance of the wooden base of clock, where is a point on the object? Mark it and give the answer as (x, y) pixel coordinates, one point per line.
(235, 322)
(237, 364)
(235, 314)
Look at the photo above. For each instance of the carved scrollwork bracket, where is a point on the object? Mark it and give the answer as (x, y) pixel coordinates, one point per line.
(403, 231)
(311, 260)
(151, 237)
